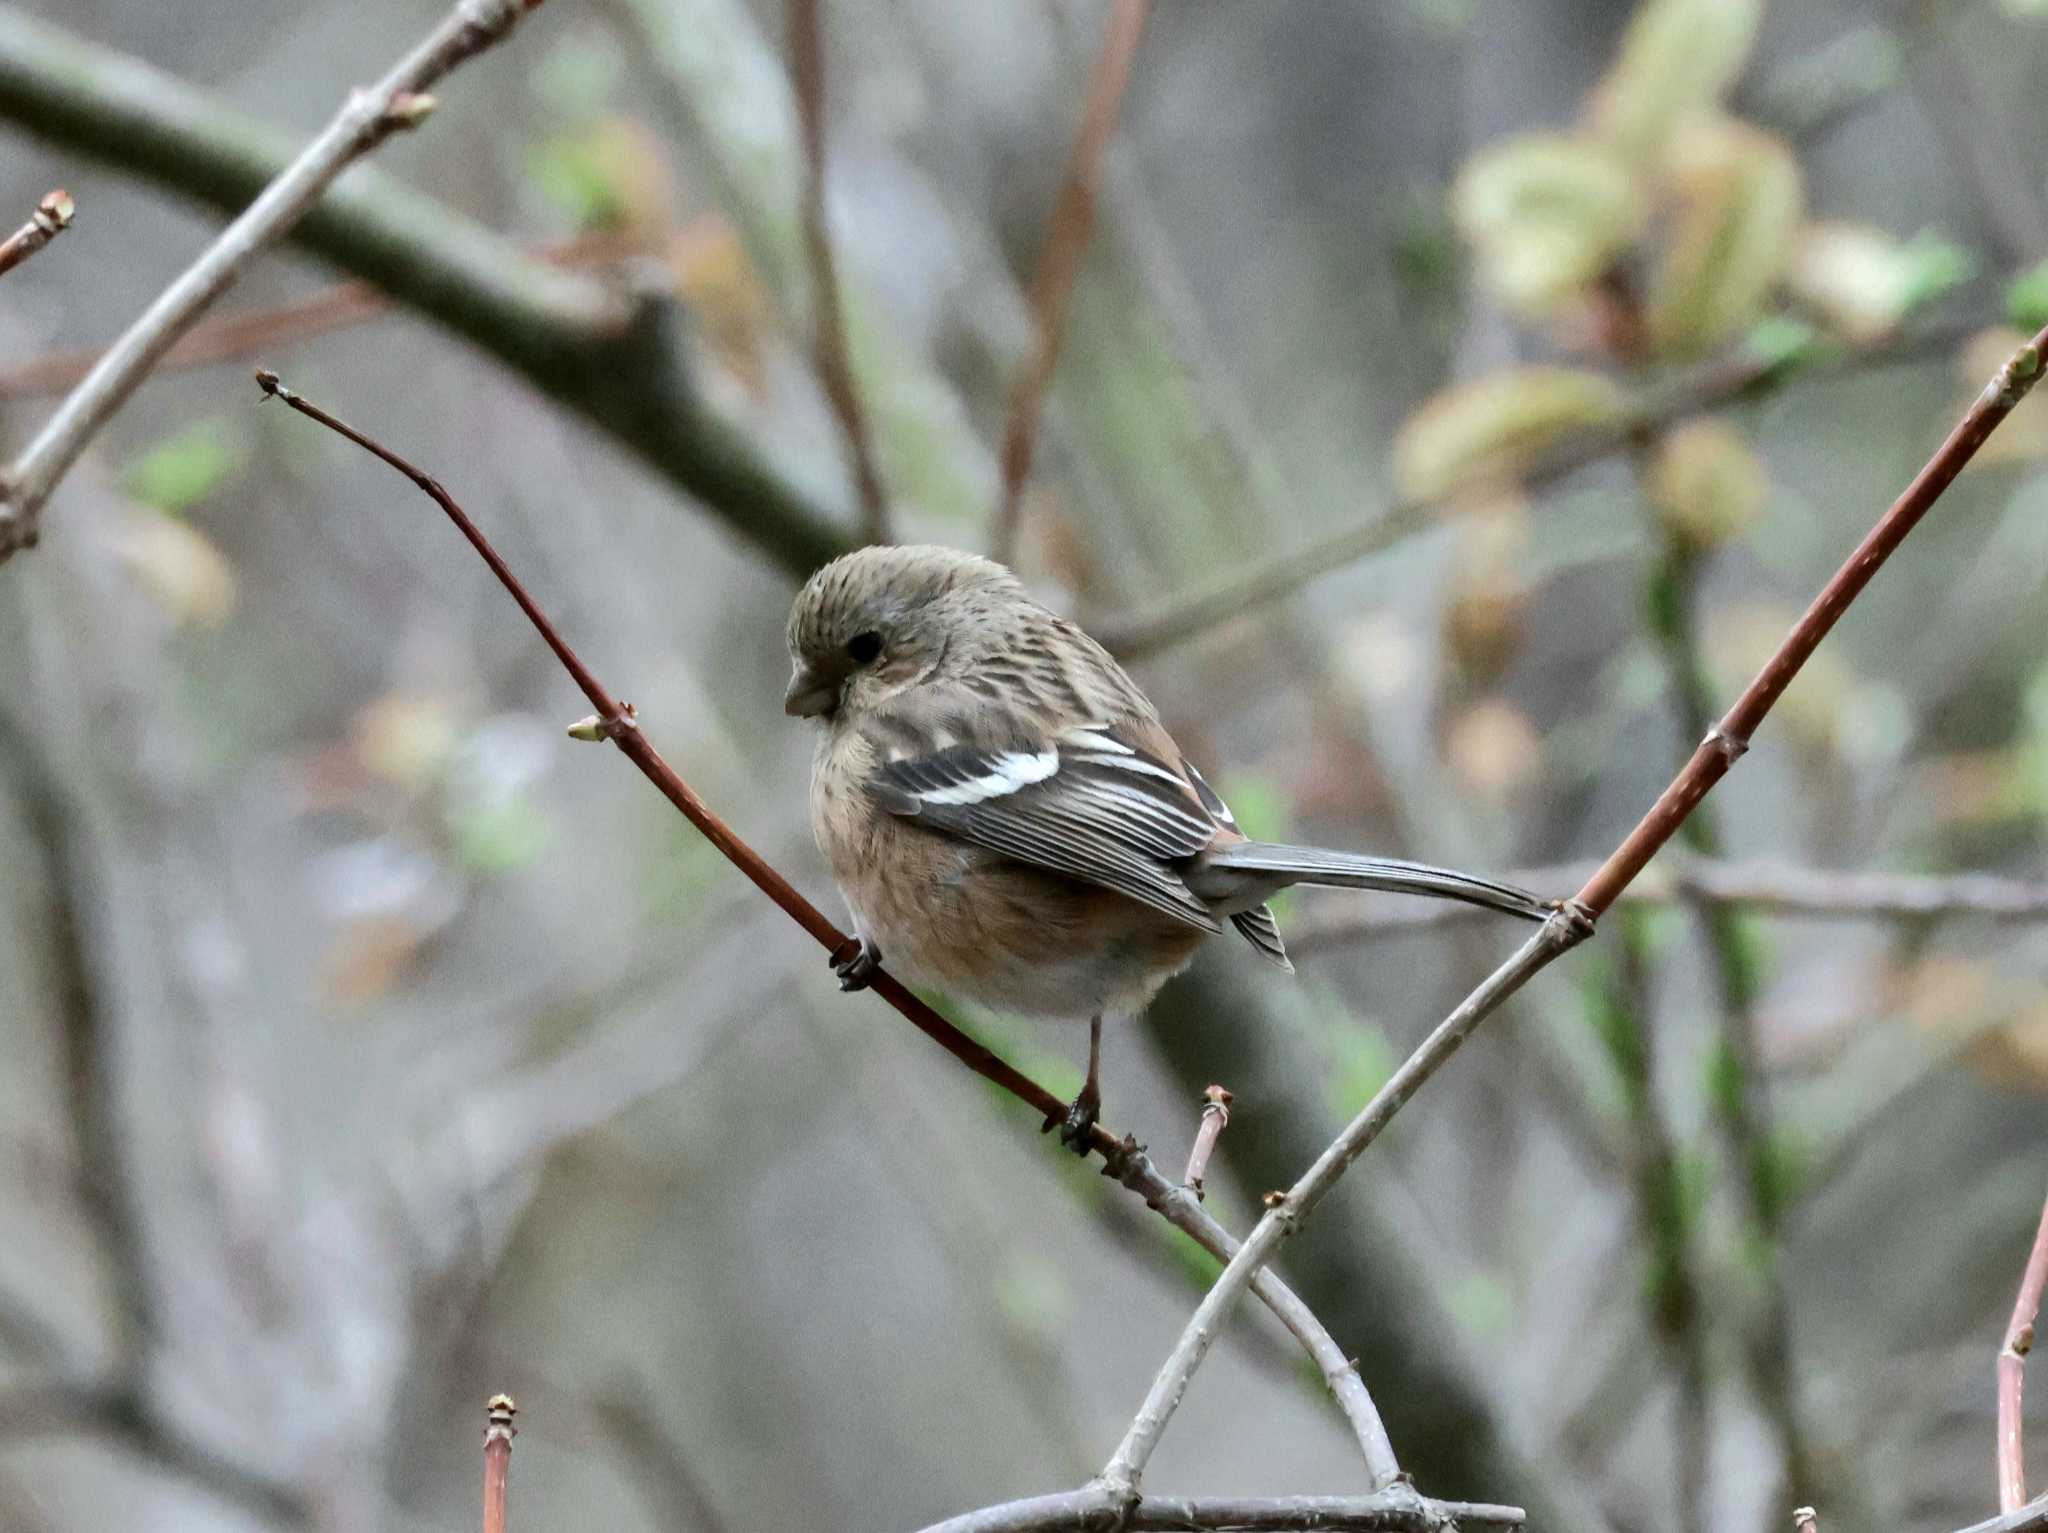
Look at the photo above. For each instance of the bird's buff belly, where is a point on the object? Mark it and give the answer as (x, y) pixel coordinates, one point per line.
(1015, 938)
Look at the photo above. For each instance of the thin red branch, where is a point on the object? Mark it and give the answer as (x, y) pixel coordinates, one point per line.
(1123, 1158)
(2012, 1374)
(1059, 261)
(834, 358)
(498, 1435)
(50, 219)
(1726, 742)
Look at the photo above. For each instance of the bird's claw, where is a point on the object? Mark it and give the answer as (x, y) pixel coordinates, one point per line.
(1077, 1128)
(855, 961)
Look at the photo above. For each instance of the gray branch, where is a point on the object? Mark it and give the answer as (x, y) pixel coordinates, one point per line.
(365, 120)
(1559, 935)
(1096, 1507)
(1766, 888)
(614, 357)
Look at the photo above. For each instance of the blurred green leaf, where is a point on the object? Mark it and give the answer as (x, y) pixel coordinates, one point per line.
(1481, 1304)
(1035, 1294)
(1779, 342)
(1489, 428)
(2026, 298)
(1865, 282)
(1707, 483)
(1361, 1061)
(1258, 802)
(572, 172)
(183, 470)
(1676, 60)
(498, 836)
(1740, 198)
(1546, 214)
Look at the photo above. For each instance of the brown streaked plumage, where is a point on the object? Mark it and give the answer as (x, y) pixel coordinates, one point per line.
(1003, 809)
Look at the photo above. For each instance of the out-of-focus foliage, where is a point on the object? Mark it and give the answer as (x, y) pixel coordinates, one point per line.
(434, 1055)
(1481, 432)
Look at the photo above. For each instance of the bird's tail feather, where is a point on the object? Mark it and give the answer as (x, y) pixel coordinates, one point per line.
(1348, 870)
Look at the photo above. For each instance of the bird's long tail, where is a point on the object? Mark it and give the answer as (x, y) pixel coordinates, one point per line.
(1272, 867)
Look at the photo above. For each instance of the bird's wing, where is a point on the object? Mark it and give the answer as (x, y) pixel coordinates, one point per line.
(1088, 802)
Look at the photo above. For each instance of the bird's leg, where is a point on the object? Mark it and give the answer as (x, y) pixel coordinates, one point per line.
(1082, 1111)
(855, 961)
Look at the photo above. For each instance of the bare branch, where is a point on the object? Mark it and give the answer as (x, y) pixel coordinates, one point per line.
(235, 337)
(51, 218)
(1096, 1507)
(614, 352)
(1059, 261)
(1215, 1119)
(1561, 932)
(2031, 1518)
(1764, 888)
(1124, 1159)
(828, 318)
(1573, 921)
(498, 1435)
(2012, 1374)
(1246, 588)
(397, 101)
(1725, 744)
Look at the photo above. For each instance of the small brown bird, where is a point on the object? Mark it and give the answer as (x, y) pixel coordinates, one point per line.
(1006, 815)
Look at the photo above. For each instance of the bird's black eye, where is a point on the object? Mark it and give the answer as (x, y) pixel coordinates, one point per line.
(863, 647)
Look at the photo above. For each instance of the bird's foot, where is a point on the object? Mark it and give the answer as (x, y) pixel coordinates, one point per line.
(855, 961)
(1077, 1128)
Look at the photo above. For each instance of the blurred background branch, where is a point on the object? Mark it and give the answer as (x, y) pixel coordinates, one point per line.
(438, 1057)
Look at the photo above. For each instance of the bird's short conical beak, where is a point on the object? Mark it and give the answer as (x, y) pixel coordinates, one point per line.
(807, 697)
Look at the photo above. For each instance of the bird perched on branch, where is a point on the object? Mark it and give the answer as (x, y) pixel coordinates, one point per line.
(1006, 815)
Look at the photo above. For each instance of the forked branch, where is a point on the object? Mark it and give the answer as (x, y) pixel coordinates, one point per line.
(1573, 922)
(1123, 1158)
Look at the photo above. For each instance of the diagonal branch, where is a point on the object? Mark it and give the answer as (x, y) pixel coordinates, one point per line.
(828, 317)
(50, 219)
(2012, 1374)
(613, 353)
(1059, 261)
(1124, 1158)
(369, 117)
(1573, 921)
(1764, 888)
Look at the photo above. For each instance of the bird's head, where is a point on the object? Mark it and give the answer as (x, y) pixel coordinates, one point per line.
(874, 622)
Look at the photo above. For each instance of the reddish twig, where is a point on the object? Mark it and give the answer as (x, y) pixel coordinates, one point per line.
(1059, 261)
(234, 337)
(2012, 1374)
(50, 219)
(828, 318)
(1726, 742)
(1574, 919)
(1124, 1158)
(498, 1435)
(1215, 1119)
